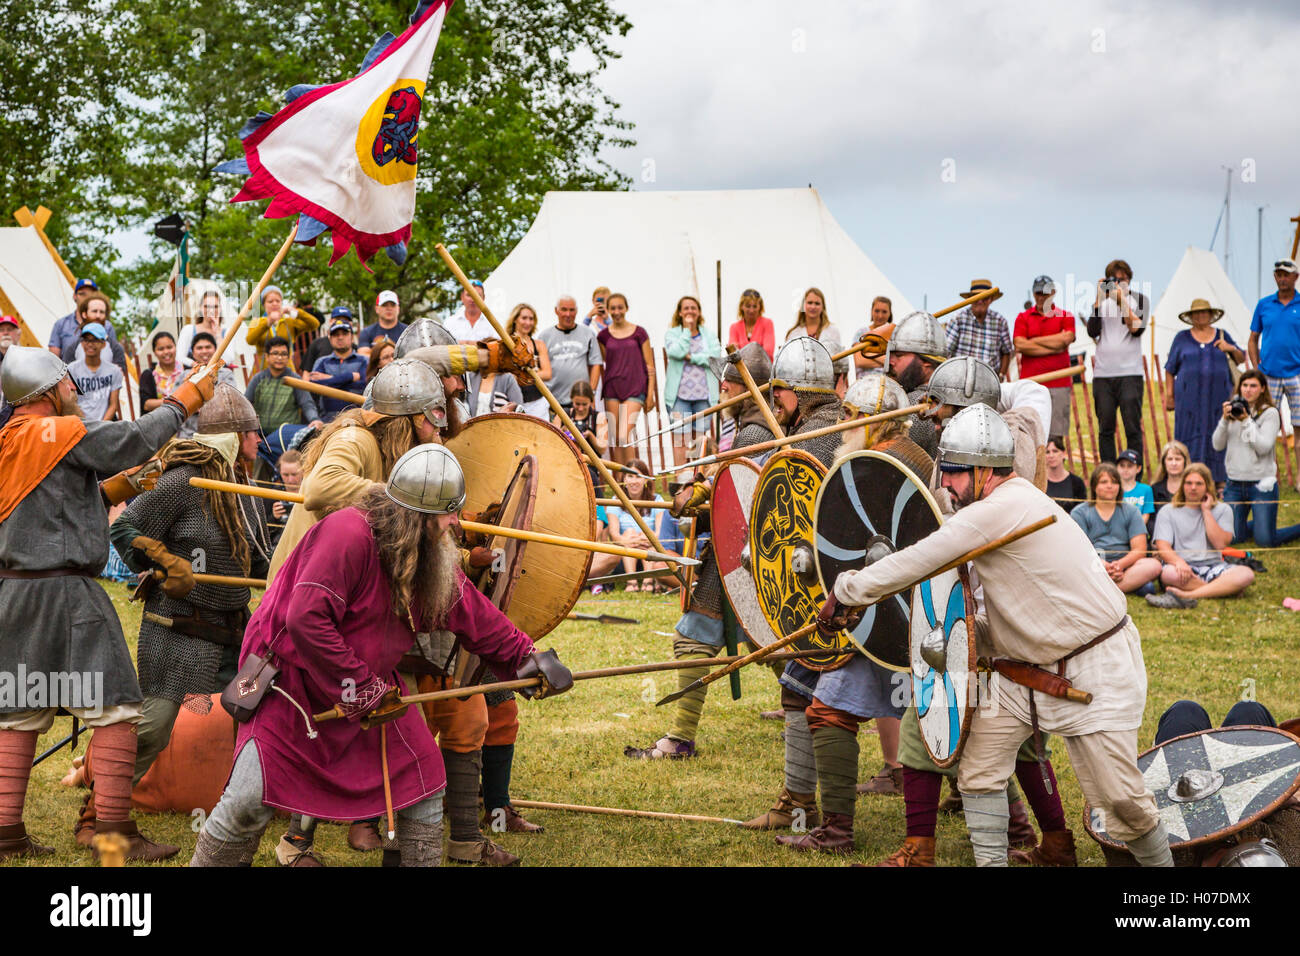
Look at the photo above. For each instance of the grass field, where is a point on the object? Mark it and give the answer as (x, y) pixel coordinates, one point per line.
(571, 747)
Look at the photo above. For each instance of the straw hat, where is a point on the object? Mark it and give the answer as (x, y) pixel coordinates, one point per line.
(980, 285)
(1200, 305)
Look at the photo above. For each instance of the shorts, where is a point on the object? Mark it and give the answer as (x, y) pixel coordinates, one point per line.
(1290, 386)
(1208, 572)
(631, 398)
(685, 408)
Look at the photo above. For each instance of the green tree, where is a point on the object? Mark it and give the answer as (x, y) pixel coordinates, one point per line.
(507, 116)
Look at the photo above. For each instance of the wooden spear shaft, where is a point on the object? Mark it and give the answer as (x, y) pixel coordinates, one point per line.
(772, 424)
(223, 580)
(766, 652)
(335, 393)
(624, 671)
(620, 812)
(750, 450)
(536, 376)
(247, 310)
(477, 527)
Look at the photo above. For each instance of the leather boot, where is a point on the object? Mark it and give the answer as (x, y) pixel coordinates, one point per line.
(888, 782)
(14, 841)
(782, 816)
(1057, 849)
(84, 829)
(510, 820)
(139, 846)
(1021, 838)
(209, 851)
(478, 853)
(915, 851)
(296, 851)
(833, 836)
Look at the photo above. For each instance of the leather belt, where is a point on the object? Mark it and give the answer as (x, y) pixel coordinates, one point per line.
(51, 573)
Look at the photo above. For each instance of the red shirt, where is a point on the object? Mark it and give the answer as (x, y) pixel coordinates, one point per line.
(764, 335)
(1030, 324)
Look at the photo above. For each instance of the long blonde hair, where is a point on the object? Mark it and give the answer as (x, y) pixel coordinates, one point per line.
(802, 320)
(514, 317)
(224, 506)
(1195, 468)
(395, 436)
(1162, 475)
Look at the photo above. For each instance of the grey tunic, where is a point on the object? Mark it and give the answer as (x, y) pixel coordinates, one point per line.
(172, 664)
(68, 624)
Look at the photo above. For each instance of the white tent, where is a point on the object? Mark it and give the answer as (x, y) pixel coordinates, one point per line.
(1199, 276)
(658, 246)
(34, 283)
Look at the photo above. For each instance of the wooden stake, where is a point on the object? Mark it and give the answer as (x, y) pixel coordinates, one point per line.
(556, 407)
(1092, 424)
(1078, 433)
(1160, 380)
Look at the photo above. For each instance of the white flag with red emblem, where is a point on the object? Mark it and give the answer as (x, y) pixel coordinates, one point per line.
(343, 156)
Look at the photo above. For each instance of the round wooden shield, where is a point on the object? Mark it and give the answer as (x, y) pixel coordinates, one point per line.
(490, 449)
(782, 535)
(945, 698)
(871, 499)
(1245, 774)
(733, 496)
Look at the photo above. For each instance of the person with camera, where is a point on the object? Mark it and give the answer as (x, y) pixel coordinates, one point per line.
(1116, 324)
(1247, 431)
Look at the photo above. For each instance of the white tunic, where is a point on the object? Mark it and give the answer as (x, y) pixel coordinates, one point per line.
(1045, 595)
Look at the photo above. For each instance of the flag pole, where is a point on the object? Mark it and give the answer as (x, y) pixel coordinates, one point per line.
(255, 297)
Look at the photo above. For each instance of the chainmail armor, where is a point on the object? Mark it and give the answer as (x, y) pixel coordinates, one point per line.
(922, 431)
(817, 410)
(172, 665)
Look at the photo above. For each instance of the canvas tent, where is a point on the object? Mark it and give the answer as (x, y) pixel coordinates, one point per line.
(35, 285)
(658, 246)
(1199, 276)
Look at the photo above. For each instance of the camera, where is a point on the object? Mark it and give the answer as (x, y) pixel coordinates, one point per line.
(1238, 408)
(1109, 285)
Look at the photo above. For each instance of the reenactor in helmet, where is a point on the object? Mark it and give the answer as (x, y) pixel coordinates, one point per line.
(1048, 606)
(190, 633)
(53, 543)
(916, 348)
(347, 605)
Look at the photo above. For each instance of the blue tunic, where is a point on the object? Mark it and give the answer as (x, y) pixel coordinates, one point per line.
(1201, 385)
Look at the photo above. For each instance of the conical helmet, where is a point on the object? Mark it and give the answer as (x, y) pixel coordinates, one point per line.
(977, 437)
(428, 479)
(964, 381)
(227, 411)
(422, 333)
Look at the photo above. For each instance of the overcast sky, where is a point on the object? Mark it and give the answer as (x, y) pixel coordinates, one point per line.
(992, 139)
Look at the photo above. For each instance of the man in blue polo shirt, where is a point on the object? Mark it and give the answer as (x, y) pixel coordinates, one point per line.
(344, 369)
(1277, 323)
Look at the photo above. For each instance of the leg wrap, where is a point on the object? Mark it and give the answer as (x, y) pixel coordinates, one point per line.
(17, 749)
(986, 819)
(921, 801)
(497, 762)
(689, 709)
(1152, 847)
(210, 851)
(461, 798)
(114, 748)
(836, 750)
(800, 763)
(1045, 802)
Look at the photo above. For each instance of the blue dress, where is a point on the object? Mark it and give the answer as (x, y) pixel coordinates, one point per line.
(1201, 385)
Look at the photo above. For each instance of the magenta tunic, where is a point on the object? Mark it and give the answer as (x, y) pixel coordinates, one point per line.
(328, 619)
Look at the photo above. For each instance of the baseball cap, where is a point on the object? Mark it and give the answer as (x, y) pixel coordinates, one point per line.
(388, 295)
(1285, 265)
(341, 312)
(1044, 284)
(1128, 454)
(339, 325)
(8, 320)
(96, 330)
(83, 283)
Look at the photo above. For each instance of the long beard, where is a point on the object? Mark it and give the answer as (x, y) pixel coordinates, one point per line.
(912, 377)
(438, 587)
(855, 439)
(67, 405)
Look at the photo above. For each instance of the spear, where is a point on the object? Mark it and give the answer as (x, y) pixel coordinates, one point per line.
(222, 580)
(335, 393)
(766, 652)
(508, 341)
(333, 713)
(602, 618)
(253, 298)
(750, 450)
(70, 739)
(852, 349)
(620, 812)
(633, 576)
(490, 530)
